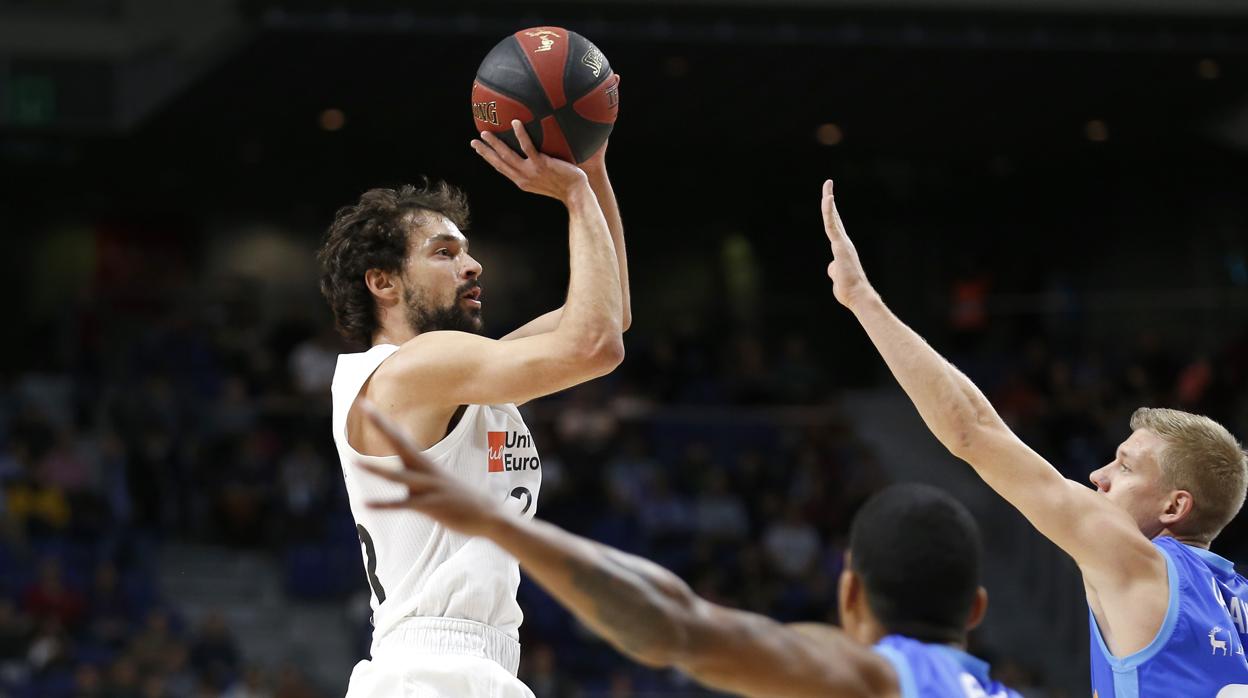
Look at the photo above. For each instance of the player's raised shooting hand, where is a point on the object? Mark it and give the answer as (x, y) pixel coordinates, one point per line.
(534, 172)
(430, 490)
(849, 281)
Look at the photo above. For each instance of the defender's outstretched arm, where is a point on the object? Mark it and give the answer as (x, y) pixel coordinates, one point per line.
(1101, 537)
(643, 610)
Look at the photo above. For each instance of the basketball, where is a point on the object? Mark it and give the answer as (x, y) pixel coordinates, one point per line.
(557, 83)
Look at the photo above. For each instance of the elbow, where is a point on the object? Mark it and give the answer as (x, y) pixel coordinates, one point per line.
(969, 441)
(601, 354)
(962, 442)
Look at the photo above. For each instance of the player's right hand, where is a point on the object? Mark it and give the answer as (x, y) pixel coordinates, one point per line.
(535, 172)
(430, 489)
(849, 281)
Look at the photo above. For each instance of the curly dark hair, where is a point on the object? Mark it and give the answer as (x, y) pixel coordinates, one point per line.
(373, 234)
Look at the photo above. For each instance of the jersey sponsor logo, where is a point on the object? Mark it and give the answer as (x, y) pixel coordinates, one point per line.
(1217, 643)
(500, 445)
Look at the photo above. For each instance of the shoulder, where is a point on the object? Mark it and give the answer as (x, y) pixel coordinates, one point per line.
(420, 357)
(874, 670)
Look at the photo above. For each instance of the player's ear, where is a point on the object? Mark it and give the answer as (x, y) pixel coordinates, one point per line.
(849, 597)
(383, 285)
(1179, 506)
(979, 608)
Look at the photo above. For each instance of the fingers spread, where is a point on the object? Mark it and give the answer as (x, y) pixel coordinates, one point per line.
(526, 144)
(502, 150)
(491, 156)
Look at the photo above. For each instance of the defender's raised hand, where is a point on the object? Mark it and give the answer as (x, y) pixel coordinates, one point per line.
(849, 281)
(534, 172)
(430, 490)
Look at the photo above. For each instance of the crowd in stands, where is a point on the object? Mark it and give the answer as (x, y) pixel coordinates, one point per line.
(691, 455)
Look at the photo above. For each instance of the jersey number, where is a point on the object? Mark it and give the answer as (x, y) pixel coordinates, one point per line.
(370, 555)
(523, 493)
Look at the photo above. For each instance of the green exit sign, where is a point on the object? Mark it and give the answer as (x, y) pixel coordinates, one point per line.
(29, 100)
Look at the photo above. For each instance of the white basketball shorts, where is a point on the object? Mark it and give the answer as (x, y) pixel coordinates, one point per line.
(441, 658)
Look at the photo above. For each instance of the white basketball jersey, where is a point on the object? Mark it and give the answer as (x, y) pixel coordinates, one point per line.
(415, 566)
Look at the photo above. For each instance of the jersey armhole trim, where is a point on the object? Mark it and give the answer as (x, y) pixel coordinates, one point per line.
(1130, 662)
(432, 453)
(905, 677)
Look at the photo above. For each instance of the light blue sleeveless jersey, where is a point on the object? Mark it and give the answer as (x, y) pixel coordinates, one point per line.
(1199, 651)
(938, 671)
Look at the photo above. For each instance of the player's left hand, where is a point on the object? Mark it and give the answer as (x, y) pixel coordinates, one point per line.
(596, 162)
(849, 281)
(430, 490)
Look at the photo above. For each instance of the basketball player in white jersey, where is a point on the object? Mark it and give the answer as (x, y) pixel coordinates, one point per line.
(399, 277)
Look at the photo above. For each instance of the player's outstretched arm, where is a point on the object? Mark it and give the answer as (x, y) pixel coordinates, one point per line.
(596, 170)
(643, 610)
(1100, 536)
(455, 368)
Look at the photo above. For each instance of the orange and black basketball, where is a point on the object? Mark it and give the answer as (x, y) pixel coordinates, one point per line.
(556, 82)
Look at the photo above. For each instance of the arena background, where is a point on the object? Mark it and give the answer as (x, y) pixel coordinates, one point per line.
(1053, 192)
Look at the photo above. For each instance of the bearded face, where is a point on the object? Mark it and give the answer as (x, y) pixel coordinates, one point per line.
(460, 312)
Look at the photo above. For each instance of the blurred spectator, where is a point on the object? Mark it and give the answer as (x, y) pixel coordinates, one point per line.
(720, 513)
(293, 683)
(214, 653)
(88, 682)
(147, 649)
(50, 647)
(665, 513)
(16, 629)
(254, 684)
(109, 610)
(631, 470)
(791, 543)
(312, 362)
(123, 680)
(50, 599)
(541, 673)
(798, 378)
(304, 486)
(36, 506)
(66, 466)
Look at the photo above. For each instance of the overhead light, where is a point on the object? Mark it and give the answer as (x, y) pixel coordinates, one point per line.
(1096, 131)
(333, 119)
(1208, 69)
(829, 134)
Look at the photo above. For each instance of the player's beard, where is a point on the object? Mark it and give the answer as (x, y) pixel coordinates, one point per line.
(423, 317)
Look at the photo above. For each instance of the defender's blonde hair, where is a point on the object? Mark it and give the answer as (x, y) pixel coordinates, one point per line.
(1202, 457)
